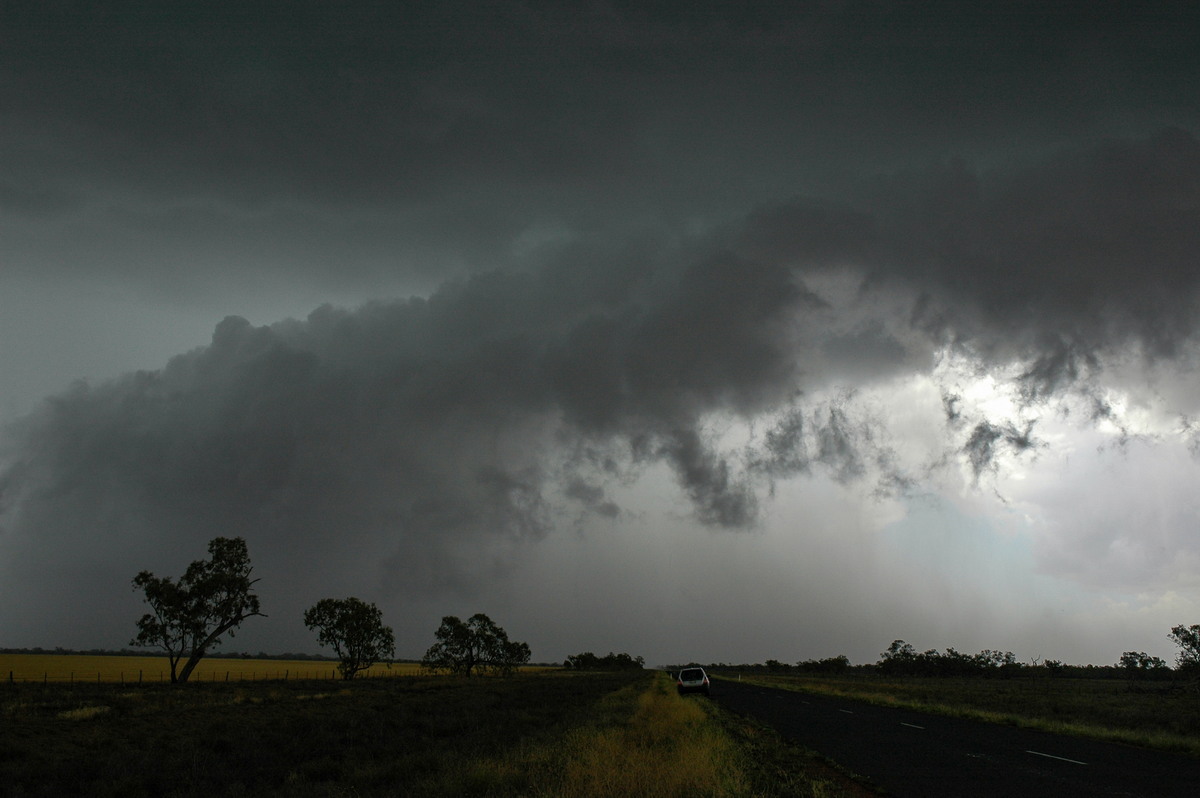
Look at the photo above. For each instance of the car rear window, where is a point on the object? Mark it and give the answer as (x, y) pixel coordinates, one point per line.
(693, 675)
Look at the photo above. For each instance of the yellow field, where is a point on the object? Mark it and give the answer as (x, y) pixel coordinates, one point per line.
(60, 668)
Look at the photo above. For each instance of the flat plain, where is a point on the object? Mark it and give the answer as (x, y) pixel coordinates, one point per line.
(540, 733)
(1164, 715)
(131, 669)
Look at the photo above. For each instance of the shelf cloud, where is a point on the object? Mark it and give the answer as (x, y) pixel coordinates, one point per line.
(424, 304)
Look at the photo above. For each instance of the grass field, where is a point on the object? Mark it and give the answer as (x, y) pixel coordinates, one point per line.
(549, 733)
(127, 670)
(1150, 714)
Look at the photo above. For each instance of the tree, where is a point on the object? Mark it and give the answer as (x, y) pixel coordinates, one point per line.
(900, 658)
(1139, 664)
(1188, 640)
(838, 664)
(477, 645)
(354, 630)
(587, 661)
(188, 617)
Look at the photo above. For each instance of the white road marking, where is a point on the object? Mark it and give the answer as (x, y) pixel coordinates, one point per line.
(1059, 758)
(912, 726)
(848, 712)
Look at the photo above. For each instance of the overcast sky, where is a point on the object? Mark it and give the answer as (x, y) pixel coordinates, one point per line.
(694, 331)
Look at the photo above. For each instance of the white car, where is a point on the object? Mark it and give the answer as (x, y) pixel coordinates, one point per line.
(692, 680)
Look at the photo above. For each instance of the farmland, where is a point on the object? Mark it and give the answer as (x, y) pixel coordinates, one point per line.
(58, 668)
(537, 733)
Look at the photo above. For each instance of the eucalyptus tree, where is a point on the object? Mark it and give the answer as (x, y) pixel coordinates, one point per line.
(354, 630)
(476, 645)
(211, 599)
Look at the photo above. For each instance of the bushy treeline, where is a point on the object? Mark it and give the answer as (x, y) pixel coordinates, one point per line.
(902, 659)
(829, 665)
(938, 664)
(587, 661)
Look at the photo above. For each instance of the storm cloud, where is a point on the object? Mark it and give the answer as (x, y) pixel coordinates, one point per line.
(428, 420)
(493, 278)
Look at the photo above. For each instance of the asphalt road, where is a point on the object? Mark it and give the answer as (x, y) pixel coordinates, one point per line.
(907, 753)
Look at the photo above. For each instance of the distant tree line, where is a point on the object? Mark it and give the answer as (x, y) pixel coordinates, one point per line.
(838, 664)
(189, 616)
(587, 661)
(902, 659)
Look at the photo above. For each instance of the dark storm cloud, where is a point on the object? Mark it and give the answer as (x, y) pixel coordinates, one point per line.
(427, 429)
(1091, 248)
(468, 123)
(628, 224)
(718, 496)
(592, 497)
(838, 449)
(784, 452)
(986, 439)
(1050, 263)
(432, 421)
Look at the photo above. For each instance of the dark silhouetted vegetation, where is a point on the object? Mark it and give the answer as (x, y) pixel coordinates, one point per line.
(211, 599)
(1140, 665)
(901, 659)
(354, 630)
(1188, 640)
(587, 661)
(478, 645)
(838, 664)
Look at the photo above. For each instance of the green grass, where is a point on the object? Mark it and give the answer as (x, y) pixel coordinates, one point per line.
(539, 734)
(1149, 714)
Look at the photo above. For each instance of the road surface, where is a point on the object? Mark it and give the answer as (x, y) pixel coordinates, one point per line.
(907, 753)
